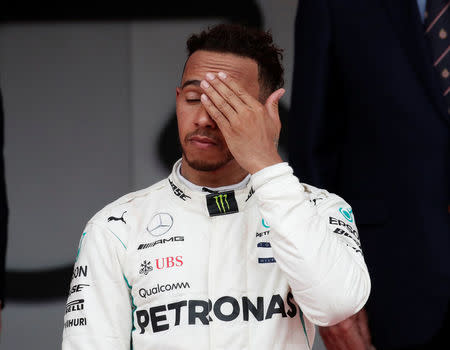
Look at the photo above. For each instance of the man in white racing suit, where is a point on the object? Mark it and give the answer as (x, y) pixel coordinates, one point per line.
(230, 251)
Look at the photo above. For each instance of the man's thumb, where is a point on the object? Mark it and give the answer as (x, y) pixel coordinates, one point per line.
(272, 101)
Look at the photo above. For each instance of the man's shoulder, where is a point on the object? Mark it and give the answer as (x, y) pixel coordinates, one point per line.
(130, 202)
(320, 197)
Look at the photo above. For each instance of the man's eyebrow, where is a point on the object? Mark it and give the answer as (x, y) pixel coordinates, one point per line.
(194, 82)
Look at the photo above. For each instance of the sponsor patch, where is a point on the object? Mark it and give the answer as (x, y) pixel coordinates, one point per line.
(221, 203)
(225, 309)
(76, 322)
(161, 241)
(146, 267)
(113, 218)
(348, 227)
(75, 305)
(77, 288)
(250, 193)
(160, 224)
(266, 260)
(178, 192)
(161, 263)
(347, 214)
(261, 234)
(79, 271)
(161, 288)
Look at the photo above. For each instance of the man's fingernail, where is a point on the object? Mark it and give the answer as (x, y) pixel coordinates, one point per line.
(222, 75)
(204, 84)
(204, 97)
(210, 76)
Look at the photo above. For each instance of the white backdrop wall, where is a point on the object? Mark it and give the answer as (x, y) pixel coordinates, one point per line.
(84, 105)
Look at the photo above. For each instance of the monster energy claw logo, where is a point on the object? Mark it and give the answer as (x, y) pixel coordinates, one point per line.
(221, 203)
(221, 200)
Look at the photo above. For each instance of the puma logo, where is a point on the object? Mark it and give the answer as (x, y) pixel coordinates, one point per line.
(112, 218)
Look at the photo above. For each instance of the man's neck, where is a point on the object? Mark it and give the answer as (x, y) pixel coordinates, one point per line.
(229, 174)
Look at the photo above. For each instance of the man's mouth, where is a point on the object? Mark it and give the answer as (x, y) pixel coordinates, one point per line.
(203, 141)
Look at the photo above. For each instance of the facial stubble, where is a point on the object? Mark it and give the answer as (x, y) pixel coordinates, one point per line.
(202, 164)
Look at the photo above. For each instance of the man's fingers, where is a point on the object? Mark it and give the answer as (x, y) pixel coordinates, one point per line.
(215, 114)
(364, 326)
(271, 107)
(272, 104)
(344, 335)
(225, 91)
(340, 342)
(273, 99)
(219, 102)
(237, 89)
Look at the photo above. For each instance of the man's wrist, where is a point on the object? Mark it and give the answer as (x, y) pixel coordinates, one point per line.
(260, 165)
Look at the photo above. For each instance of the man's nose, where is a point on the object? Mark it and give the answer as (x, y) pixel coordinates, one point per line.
(204, 120)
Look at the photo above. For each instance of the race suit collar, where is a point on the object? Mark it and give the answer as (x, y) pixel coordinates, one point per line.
(194, 187)
(215, 201)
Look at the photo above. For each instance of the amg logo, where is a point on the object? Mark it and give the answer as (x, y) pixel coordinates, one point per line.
(202, 311)
(75, 322)
(177, 191)
(161, 241)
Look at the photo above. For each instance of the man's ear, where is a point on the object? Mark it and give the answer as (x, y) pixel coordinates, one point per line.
(178, 89)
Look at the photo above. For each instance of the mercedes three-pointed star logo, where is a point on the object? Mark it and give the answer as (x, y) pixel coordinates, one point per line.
(160, 224)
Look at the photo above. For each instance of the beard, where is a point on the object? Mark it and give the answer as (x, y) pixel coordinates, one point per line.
(203, 164)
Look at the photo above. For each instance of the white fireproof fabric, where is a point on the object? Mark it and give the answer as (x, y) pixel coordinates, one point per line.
(155, 271)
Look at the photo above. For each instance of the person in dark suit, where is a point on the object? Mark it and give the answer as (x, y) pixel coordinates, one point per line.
(369, 120)
(3, 214)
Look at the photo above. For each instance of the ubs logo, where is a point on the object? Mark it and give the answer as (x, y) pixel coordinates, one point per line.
(160, 224)
(161, 263)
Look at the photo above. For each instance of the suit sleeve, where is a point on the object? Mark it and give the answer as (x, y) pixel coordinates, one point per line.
(98, 312)
(315, 243)
(3, 211)
(315, 124)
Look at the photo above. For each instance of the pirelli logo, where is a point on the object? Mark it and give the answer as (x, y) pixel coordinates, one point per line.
(221, 203)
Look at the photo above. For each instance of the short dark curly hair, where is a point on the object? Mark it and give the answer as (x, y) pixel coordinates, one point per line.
(246, 42)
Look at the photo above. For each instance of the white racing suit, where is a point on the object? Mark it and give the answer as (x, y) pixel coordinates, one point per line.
(171, 268)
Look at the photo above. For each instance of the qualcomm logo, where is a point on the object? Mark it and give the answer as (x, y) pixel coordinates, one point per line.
(160, 224)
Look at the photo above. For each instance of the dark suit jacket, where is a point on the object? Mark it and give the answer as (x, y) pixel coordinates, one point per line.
(368, 123)
(3, 210)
